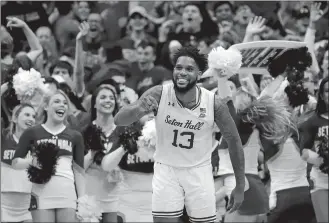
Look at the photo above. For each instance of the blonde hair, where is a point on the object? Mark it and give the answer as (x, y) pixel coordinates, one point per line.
(47, 98)
(16, 111)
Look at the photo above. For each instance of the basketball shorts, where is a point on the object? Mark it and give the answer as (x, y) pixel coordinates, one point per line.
(174, 187)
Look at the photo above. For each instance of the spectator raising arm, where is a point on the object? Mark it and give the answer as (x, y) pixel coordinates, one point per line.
(36, 48)
(315, 14)
(78, 73)
(255, 26)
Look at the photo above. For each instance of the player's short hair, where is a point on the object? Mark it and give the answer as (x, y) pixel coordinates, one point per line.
(192, 52)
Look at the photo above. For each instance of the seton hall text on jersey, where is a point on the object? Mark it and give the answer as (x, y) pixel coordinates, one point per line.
(187, 124)
(61, 143)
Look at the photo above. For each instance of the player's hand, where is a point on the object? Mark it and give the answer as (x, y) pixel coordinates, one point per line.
(236, 199)
(149, 104)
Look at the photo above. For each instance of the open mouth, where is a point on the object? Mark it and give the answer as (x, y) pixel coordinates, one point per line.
(29, 123)
(181, 81)
(189, 19)
(60, 112)
(93, 29)
(107, 106)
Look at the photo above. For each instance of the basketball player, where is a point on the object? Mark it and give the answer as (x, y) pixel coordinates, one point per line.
(185, 118)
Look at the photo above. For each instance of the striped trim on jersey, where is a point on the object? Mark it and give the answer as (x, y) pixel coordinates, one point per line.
(167, 214)
(198, 102)
(206, 219)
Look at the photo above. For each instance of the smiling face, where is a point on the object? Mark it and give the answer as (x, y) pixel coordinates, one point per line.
(25, 118)
(223, 12)
(186, 74)
(105, 102)
(57, 108)
(243, 15)
(137, 21)
(83, 10)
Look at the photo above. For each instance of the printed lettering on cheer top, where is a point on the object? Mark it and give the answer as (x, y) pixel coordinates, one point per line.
(257, 55)
(323, 131)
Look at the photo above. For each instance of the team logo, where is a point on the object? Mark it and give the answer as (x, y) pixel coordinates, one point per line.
(202, 112)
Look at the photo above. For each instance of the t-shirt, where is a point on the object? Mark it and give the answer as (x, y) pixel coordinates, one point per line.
(70, 143)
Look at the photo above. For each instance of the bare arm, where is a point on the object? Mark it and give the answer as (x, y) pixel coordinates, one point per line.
(133, 112)
(78, 73)
(227, 127)
(112, 160)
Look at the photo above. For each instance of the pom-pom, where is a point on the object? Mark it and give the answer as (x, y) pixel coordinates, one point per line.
(89, 209)
(93, 142)
(128, 139)
(47, 155)
(297, 94)
(115, 176)
(147, 141)
(26, 83)
(227, 62)
(323, 151)
(271, 116)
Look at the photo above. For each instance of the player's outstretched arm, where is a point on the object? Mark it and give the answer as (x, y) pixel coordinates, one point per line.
(146, 104)
(228, 128)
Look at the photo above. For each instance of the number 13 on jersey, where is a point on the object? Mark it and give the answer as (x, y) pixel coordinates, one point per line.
(188, 136)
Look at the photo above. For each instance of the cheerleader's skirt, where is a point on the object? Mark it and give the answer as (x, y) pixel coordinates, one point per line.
(15, 207)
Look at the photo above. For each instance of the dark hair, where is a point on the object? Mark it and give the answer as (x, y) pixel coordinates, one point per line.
(275, 24)
(301, 13)
(143, 44)
(321, 105)
(298, 58)
(51, 80)
(112, 83)
(192, 52)
(93, 102)
(63, 65)
(113, 53)
(64, 8)
(220, 3)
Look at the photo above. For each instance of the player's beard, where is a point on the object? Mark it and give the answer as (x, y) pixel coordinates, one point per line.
(188, 87)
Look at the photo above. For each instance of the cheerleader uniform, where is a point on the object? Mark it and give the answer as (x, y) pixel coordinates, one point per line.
(59, 191)
(135, 203)
(311, 131)
(256, 198)
(289, 184)
(15, 185)
(103, 185)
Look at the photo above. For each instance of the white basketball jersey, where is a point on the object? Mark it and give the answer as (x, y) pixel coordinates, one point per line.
(185, 136)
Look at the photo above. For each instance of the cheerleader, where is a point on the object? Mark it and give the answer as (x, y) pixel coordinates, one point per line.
(289, 194)
(57, 170)
(15, 186)
(102, 175)
(314, 132)
(255, 203)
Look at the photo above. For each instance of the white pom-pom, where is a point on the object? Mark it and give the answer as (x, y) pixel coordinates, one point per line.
(228, 62)
(89, 209)
(26, 83)
(147, 141)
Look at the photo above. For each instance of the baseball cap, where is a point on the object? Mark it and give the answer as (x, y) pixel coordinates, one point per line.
(138, 10)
